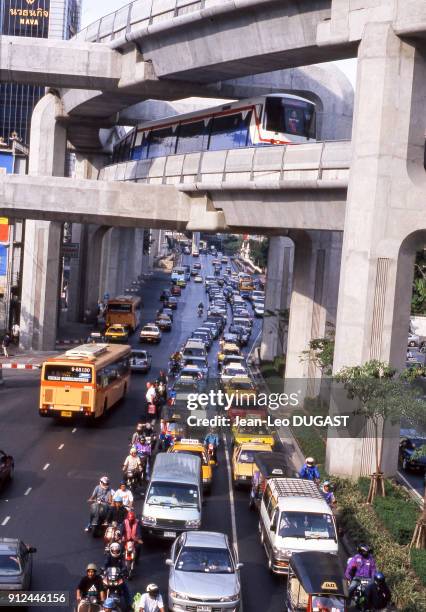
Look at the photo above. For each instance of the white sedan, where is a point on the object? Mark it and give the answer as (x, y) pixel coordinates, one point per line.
(198, 279)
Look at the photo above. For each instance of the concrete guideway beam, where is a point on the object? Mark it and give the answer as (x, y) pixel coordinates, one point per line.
(59, 63)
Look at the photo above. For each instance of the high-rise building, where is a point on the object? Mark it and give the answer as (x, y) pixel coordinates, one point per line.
(39, 19)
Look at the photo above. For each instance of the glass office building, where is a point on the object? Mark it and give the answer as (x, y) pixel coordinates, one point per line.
(31, 18)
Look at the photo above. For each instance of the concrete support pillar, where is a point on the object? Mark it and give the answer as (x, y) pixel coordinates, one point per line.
(195, 241)
(385, 218)
(277, 297)
(313, 304)
(40, 277)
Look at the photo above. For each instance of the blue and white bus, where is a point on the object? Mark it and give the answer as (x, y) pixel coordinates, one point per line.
(275, 119)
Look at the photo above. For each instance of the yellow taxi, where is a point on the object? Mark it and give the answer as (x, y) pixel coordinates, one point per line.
(228, 348)
(252, 429)
(195, 447)
(117, 333)
(243, 461)
(242, 389)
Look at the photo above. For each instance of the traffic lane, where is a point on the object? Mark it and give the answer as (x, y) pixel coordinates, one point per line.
(60, 566)
(416, 480)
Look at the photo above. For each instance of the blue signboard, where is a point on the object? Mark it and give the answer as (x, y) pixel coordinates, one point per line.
(3, 260)
(6, 161)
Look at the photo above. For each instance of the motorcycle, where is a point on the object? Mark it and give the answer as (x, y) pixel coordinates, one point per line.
(200, 311)
(89, 604)
(174, 368)
(98, 516)
(211, 453)
(132, 480)
(112, 534)
(113, 580)
(130, 557)
(358, 596)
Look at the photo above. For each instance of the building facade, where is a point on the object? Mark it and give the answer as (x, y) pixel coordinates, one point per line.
(39, 19)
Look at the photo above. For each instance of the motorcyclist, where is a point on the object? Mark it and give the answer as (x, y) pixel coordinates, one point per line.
(132, 463)
(201, 307)
(102, 494)
(115, 559)
(162, 377)
(118, 512)
(132, 531)
(327, 491)
(140, 431)
(90, 585)
(361, 566)
(212, 438)
(144, 453)
(125, 494)
(377, 594)
(310, 471)
(151, 601)
(151, 393)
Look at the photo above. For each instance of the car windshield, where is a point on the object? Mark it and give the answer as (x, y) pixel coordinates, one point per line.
(247, 456)
(150, 328)
(244, 385)
(234, 371)
(196, 453)
(309, 525)
(196, 351)
(9, 564)
(173, 494)
(139, 354)
(116, 330)
(205, 560)
(186, 384)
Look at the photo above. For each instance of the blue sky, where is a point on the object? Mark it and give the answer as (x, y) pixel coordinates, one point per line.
(93, 9)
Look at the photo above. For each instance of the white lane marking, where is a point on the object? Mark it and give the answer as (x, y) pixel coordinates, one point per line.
(46, 466)
(61, 446)
(410, 486)
(74, 430)
(28, 491)
(6, 520)
(231, 494)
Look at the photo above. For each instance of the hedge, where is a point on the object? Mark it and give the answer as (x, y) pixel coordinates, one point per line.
(361, 524)
(418, 563)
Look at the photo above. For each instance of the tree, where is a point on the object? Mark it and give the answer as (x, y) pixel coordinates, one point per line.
(383, 398)
(321, 353)
(418, 301)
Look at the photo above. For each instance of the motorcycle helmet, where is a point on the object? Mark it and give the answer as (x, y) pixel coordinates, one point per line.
(91, 566)
(379, 578)
(310, 461)
(363, 550)
(104, 480)
(133, 451)
(139, 427)
(152, 589)
(131, 515)
(115, 549)
(327, 483)
(123, 483)
(148, 426)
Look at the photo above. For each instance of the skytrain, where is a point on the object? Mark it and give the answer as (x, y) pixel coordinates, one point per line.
(275, 119)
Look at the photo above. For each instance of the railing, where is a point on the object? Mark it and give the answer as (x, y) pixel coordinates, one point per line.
(327, 162)
(140, 13)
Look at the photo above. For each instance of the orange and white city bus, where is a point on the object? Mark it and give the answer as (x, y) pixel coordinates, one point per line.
(245, 284)
(85, 381)
(123, 310)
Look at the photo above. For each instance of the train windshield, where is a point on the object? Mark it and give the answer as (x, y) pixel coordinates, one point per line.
(290, 116)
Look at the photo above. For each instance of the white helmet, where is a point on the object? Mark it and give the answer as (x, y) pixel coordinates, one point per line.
(152, 588)
(133, 451)
(115, 549)
(310, 461)
(104, 480)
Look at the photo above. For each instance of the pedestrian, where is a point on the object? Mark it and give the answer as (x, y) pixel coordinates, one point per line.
(15, 333)
(5, 343)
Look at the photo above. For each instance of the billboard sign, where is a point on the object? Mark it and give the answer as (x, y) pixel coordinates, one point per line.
(4, 230)
(26, 18)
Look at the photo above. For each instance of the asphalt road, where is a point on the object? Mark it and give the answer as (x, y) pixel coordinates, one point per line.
(57, 466)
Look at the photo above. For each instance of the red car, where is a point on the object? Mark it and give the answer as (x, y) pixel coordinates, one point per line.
(6, 467)
(176, 290)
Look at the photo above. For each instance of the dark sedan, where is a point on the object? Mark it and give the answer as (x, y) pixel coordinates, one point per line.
(16, 565)
(412, 454)
(6, 467)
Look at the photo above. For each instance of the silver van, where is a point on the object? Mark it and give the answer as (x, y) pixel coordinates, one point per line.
(173, 499)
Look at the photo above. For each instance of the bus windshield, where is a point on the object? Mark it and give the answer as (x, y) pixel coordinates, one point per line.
(119, 307)
(68, 373)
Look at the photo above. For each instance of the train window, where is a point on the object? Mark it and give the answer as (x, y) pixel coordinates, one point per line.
(229, 132)
(297, 120)
(162, 142)
(272, 117)
(140, 150)
(192, 137)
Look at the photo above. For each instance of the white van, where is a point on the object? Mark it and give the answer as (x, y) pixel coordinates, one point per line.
(174, 497)
(294, 517)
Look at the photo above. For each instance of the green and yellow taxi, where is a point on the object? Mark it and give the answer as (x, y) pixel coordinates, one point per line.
(117, 333)
(195, 447)
(243, 464)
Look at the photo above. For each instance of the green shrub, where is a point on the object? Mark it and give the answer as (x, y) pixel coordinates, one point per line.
(361, 524)
(418, 562)
(398, 516)
(310, 442)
